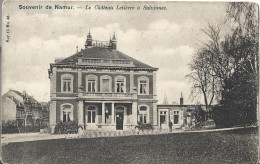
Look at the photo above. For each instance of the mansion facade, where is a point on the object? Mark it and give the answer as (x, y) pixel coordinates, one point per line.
(102, 89)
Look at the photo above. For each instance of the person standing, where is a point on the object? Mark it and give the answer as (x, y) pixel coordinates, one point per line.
(170, 126)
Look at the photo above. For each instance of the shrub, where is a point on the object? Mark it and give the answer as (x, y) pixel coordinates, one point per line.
(142, 126)
(10, 127)
(66, 127)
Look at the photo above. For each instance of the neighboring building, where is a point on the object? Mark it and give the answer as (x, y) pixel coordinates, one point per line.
(21, 107)
(182, 116)
(102, 88)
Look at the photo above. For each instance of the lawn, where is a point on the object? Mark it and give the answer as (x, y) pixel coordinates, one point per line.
(235, 146)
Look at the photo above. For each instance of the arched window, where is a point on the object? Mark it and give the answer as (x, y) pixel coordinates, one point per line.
(91, 83)
(105, 83)
(91, 114)
(120, 84)
(67, 83)
(143, 114)
(143, 85)
(66, 113)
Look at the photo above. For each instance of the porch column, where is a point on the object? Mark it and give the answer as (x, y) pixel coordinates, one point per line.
(80, 113)
(113, 112)
(103, 112)
(134, 113)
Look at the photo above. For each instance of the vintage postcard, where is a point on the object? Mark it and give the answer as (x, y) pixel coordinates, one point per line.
(129, 82)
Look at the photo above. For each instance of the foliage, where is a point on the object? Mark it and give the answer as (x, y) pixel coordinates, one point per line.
(10, 127)
(226, 68)
(66, 127)
(142, 126)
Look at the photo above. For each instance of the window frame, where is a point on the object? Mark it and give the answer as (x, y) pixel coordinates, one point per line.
(101, 83)
(144, 113)
(176, 113)
(124, 83)
(71, 109)
(63, 76)
(87, 78)
(91, 110)
(143, 78)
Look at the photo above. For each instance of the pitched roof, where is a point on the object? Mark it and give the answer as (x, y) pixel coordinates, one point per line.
(17, 92)
(102, 53)
(30, 97)
(17, 102)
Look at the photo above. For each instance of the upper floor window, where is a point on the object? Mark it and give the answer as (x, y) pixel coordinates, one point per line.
(67, 83)
(120, 84)
(91, 83)
(66, 113)
(105, 83)
(143, 85)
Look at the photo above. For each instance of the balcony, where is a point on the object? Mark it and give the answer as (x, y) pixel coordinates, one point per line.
(108, 95)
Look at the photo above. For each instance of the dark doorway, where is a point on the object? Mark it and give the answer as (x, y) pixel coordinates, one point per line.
(119, 120)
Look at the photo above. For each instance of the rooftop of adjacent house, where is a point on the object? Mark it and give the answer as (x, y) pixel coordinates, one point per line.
(32, 100)
(17, 102)
(102, 53)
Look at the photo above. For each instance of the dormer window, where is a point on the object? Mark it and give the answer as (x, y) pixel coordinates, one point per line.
(66, 83)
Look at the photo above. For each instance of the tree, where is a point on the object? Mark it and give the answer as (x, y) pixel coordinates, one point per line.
(204, 65)
(226, 68)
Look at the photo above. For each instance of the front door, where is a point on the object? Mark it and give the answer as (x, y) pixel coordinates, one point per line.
(164, 124)
(119, 120)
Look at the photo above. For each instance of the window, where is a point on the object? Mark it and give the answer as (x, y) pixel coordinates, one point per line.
(91, 85)
(143, 85)
(105, 83)
(67, 83)
(143, 115)
(120, 84)
(91, 114)
(176, 117)
(66, 113)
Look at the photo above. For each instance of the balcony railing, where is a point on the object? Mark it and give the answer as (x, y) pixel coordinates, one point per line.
(107, 95)
(106, 62)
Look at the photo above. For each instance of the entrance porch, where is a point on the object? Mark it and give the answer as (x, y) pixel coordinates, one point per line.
(109, 116)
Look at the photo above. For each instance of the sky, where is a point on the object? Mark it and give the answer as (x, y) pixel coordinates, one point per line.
(165, 39)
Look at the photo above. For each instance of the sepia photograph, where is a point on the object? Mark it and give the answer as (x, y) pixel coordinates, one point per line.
(129, 82)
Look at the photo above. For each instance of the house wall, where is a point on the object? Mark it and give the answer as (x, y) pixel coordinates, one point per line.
(71, 98)
(8, 109)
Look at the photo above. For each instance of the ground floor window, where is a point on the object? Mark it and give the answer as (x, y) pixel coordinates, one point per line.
(163, 117)
(67, 113)
(176, 117)
(143, 114)
(91, 114)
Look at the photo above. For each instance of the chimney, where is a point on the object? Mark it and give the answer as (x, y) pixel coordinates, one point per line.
(113, 42)
(181, 99)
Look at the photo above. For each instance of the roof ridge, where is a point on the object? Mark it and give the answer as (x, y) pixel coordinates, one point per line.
(103, 53)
